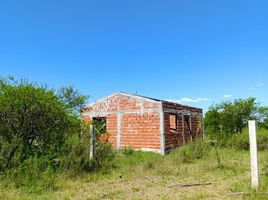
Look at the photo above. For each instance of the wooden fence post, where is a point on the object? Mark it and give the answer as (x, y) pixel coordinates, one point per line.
(190, 127)
(92, 142)
(253, 154)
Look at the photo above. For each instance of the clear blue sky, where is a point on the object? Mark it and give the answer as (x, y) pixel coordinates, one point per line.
(200, 50)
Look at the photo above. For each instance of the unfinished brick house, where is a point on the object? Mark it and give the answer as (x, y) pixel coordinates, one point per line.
(145, 123)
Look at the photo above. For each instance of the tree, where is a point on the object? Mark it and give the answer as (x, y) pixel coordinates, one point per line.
(232, 116)
(264, 117)
(72, 98)
(35, 119)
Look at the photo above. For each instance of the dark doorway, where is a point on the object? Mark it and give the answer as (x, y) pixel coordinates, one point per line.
(187, 128)
(100, 124)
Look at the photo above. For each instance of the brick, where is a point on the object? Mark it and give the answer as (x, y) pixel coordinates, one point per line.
(140, 121)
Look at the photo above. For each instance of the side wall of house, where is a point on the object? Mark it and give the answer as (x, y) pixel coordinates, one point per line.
(182, 124)
(130, 121)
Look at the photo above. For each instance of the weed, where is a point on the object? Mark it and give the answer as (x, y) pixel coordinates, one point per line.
(194, 150)
(127, 151)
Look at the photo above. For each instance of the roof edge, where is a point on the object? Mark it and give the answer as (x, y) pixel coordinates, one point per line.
(165, 101)
(140, 97)
(124, 94)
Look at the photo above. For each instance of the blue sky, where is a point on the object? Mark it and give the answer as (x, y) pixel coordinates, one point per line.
(192, 52)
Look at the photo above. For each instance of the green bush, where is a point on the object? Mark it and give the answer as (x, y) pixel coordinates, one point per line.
(35, 119)
(194, 150)
(38, 173)
(240, 141)
(104, 158)
(34, 173)
(75, 154)
(75, 157)
(40, 134)
(232, 116)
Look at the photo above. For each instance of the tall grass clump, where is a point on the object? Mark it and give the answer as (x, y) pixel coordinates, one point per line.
(127, 151)
(34, 174)
(194, 150)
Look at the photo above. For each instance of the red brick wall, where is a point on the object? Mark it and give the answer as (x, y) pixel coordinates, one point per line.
(111, 128)
(141, 130)
(140, 120)
(174, 137)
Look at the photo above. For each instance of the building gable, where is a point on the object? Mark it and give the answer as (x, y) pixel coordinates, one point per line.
(119, 102)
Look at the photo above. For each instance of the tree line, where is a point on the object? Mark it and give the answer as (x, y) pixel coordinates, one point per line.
(231, 117)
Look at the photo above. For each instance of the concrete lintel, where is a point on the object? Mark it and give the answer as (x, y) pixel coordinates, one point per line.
(184, 112)
(138, 111)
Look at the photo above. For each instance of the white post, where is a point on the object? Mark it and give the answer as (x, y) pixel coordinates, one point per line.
(253, 154)
(92, 147)
(162, 130)
(119, 124)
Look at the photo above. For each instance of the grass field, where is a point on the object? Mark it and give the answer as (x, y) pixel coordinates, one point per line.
(140, 175)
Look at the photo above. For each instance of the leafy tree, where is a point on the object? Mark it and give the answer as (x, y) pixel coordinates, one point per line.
(35, 119)
(265, 123)
(232, 116)
(212, 120)
(72, 98)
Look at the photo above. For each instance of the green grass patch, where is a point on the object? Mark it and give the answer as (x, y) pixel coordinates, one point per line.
(145, 175)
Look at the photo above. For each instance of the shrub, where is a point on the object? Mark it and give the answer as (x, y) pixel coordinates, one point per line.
(240, 141)
(35, 119)
(75, 156)
(232, 116)
(104, 158)
(34, 173)
(40, 134)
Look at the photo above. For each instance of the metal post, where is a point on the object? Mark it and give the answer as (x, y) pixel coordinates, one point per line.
(253, 154)
(92, 150)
